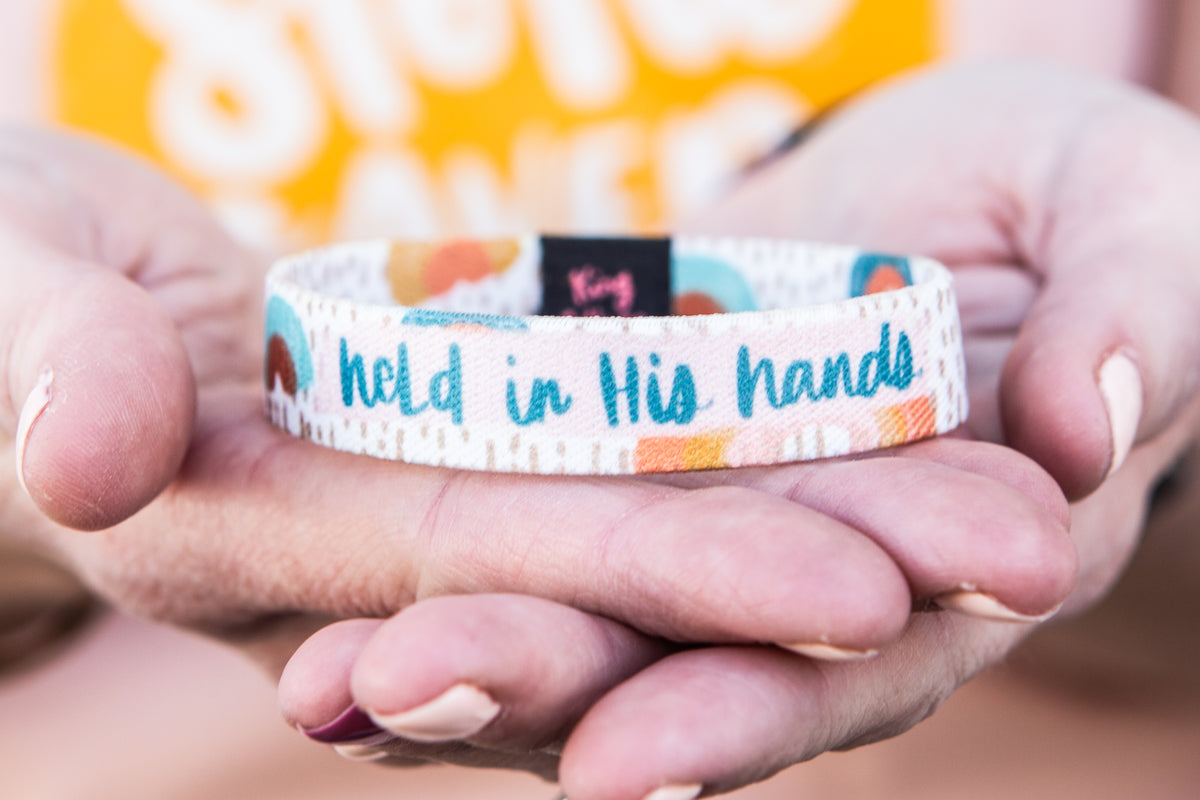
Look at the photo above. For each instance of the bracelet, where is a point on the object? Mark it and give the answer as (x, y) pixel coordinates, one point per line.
(558, 355)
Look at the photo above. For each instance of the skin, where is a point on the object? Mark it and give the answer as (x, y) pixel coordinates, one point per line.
(169, 421)
(1042, 243)
(262, 628)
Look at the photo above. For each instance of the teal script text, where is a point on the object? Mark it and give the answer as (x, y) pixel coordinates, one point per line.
(838, 374)
(680, 409)
(392, 382)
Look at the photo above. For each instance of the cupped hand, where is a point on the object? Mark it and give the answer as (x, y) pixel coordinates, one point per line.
(1064, 207)
(131, 350)
(519, 681)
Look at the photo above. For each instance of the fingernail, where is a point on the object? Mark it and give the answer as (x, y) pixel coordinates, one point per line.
(683, 792)
(461, 711)
(1121, 387)
(360, 752)
(352, 725)
(827, 652)
(977, 604)
(35, 404)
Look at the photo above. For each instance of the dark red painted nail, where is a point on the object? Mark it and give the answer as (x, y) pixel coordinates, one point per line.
(351, 725)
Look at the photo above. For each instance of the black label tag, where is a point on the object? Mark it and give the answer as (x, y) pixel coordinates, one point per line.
(606, 277)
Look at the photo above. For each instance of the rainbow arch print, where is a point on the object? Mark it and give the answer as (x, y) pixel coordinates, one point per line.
(707, 285)
(879, 272)
(288, 360)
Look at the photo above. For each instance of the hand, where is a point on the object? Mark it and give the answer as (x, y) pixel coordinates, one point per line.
(130, 347)
(1063, 205)
(1022, 182)
(517, 681)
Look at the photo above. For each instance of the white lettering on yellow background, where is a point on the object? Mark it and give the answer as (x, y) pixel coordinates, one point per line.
(310, 119)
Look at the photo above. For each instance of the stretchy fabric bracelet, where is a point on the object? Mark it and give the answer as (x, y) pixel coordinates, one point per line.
(431, 352)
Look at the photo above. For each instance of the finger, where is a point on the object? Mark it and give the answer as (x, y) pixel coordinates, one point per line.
(99, 395)
(99, 391)
(1108, 354)
(1000, 555)
(315, 697)
(998, 463)
(480, 680)
(973, 526)
(314, 689)
(728, 562)
(500, 671)
(1091, 374)
(711, 720)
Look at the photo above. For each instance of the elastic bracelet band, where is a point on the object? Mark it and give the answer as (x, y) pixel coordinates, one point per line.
(502, 355)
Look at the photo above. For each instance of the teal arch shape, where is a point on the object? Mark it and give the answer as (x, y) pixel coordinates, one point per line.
(866, 265)
(712, 277)
(283, 322)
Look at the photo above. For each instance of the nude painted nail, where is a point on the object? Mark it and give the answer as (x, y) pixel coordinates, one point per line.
(37, 402)
(827, 652)
(352, 725)
(978, 604)
(683, 792)
(1121, 387)
(360, 752)
(461, 711)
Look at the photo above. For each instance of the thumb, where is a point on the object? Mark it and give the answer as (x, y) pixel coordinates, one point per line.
(1079, 385)
(1109, 353)
(100, 394)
